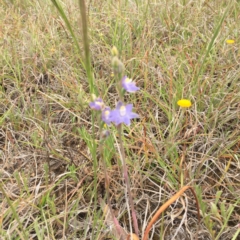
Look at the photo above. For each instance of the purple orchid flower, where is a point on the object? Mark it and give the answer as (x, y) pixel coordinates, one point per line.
(123, 114)
(106, 115)
(129, 85)
(97, 104)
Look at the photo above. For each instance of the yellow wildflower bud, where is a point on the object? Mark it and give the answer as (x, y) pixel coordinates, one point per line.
(184, 103)
(230, 41)
(93, 96)
(114, 51)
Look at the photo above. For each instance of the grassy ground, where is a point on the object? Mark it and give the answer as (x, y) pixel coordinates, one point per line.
(52, 179)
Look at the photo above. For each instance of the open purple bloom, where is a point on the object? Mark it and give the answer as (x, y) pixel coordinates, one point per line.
(106, 115)
(123, 114)
(129, 85)
(97, 104)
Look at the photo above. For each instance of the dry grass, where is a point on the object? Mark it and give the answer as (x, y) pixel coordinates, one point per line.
(172, 51)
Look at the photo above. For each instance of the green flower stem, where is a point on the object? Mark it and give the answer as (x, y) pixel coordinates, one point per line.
(107, 183)
(127, 182)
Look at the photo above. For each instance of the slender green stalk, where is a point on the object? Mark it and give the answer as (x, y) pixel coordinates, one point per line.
(93, 90)
(86, 46)
(107, 183)
(127, 182)
(69, 27)
(118, 69)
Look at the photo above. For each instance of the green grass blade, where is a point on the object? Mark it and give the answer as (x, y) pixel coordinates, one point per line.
(69, 27)
(210, 45)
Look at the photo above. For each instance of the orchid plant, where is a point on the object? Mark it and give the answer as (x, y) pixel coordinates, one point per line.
(121, 114)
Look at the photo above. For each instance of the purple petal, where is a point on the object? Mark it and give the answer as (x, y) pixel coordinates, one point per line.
(119, 104)
(97, 104)
(129, 85)
(106, 115)
(123, 114)
(129, 107)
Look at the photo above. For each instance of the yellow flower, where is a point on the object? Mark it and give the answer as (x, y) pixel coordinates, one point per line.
(114, 51)
(184, 103)
(230, 41)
